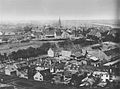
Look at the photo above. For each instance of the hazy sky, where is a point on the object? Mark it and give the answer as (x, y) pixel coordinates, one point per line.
(52, 9)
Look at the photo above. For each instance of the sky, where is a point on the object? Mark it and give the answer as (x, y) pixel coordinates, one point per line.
(15, 10)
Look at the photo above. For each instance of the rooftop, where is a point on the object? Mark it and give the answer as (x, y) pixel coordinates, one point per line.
(112, 63)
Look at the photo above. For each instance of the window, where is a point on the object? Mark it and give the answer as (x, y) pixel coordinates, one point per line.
(40, 79)
(36, 77)
(12, 68)
(101, 74)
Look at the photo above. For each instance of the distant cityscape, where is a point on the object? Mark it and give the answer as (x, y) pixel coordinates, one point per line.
(59, 56)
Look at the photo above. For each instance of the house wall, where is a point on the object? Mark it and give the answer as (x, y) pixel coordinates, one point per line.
(104, 77)
(38, 77)
(7, 72)
(66, 53)
(50, 53)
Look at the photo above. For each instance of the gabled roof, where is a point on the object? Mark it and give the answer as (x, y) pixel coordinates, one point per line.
(99, 54)
(94, 58)
(11, 68)
(112, 63)
(39, 68)
(93, 32)
(112, 52)
(45, 72)
(77, 54)
(38, 74)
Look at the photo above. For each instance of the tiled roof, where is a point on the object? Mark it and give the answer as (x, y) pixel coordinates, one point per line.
(92, 32)
(99, 54)
(112, 52)
(112, 63)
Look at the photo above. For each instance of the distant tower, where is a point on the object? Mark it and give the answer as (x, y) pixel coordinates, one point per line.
(59, 22)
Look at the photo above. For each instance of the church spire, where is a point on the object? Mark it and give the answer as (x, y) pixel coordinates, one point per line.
(59, 22)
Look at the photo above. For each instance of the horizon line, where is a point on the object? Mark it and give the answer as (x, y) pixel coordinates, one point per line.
(39, 20)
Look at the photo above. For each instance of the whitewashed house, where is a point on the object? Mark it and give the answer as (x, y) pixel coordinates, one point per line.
(1, 41)
(11, 70)
(50, 53)
(38, 76)
(9, 33)
(104, 75)
(66, 53)
(1, 33)
(65, 35)
(39, 68)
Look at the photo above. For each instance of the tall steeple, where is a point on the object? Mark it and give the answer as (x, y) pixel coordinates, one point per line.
(59, 22)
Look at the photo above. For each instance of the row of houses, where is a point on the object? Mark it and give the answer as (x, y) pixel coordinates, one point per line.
(43, 32)
(67, 66)
(88, 59)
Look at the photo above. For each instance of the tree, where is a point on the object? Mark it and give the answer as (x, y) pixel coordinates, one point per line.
(27, 29)
(29, 52)
(5, 56)
(117, 35)
(44, 48)
(1, 58)
(5, 39)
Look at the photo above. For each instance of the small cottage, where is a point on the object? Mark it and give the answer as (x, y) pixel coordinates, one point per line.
(1, 33)
(38, 76)
(11, 70)
(41, 75)
(65, 34)
(50, 53)
(104, 75)
(58, 33)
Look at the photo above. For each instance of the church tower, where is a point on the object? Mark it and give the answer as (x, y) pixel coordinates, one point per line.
(59, 22)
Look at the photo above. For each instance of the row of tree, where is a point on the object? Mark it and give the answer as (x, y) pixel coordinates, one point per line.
(30, 52)
(26, 53)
